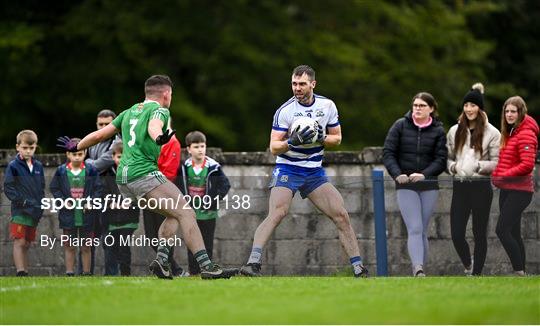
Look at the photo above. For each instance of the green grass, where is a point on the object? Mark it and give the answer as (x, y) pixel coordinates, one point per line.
(270, 300)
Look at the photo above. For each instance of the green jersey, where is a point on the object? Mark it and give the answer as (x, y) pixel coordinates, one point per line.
(76, 184)
(141, 152)
(197, 177)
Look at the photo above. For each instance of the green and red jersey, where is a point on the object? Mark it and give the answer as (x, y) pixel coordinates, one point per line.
(197, 178)
(76, 184)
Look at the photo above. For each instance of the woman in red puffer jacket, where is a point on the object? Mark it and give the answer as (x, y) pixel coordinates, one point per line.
(513, 176)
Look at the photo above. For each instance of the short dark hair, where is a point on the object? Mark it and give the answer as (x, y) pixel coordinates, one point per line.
(304, 69)
(156, 84)
(195, 137)
(117, 148)
(28, 136)
(106, 113)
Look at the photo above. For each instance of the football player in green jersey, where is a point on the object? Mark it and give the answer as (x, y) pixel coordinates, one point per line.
(144, 130)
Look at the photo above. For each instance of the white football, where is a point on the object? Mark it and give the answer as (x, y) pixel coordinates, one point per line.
(302, 122)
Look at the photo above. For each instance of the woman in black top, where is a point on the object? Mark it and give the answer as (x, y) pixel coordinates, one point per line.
(415, 154)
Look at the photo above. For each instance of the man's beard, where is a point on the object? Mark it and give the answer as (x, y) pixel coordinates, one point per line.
(304, 99)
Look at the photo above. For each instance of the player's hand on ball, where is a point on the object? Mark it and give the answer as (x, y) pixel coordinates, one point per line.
(67, 143)
(321, 136)
(415, 177)
(301, 137)
(165, 137)
(402, 178)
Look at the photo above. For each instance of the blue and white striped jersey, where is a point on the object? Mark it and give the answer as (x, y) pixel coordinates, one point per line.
(323, 110)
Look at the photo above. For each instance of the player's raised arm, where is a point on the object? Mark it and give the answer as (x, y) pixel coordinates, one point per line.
(89, 140)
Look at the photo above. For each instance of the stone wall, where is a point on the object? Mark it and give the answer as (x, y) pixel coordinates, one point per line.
(306, 243)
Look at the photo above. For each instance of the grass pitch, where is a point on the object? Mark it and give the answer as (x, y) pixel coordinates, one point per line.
(269, 300)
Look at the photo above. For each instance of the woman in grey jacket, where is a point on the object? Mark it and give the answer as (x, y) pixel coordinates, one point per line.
(473, 151)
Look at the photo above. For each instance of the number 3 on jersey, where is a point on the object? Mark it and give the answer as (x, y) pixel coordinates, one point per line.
(132, 136)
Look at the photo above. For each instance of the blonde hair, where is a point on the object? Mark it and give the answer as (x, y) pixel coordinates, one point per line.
(28, 136)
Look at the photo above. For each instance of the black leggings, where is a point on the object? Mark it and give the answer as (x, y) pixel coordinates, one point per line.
(467, 197)
(512, 203)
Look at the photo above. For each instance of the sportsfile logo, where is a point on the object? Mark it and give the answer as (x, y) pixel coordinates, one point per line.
(112, 201)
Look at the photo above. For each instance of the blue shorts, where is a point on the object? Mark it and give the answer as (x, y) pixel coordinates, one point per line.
(298, 178)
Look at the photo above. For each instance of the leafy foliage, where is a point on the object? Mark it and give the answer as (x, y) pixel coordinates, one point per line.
(231, 61)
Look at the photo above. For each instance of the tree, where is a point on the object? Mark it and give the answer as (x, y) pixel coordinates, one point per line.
(231, 63)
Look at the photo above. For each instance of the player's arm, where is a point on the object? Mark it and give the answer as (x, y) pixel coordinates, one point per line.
(333, 136)
(97, 136)
(155, 127)
(278, 143)
(155, 131)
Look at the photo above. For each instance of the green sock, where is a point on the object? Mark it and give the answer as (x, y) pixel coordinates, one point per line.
(203, 260)
(163, 255)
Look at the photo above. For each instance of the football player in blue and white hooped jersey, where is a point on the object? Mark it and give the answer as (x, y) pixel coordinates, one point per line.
(298, 168)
